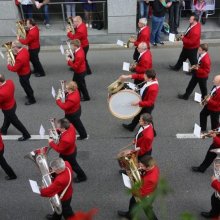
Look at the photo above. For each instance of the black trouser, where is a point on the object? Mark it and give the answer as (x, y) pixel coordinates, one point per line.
(136, 55)
(77, 123)
(192, 84)
(136, 119)
(25, 83)
(86, 49)
(10, 117)
(80, 80)
(174, 16)
(75, 166)
(190, 54)
(3, 163)
(215, 202)
(147, 210)
(67, 211)
(146, 154)
(209, 158)
(35, 61)
(203, 118)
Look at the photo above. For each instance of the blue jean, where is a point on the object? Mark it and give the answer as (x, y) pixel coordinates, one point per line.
(28, 11)
(143, 10)
(70, 10)
(157, 25)
(46, 14)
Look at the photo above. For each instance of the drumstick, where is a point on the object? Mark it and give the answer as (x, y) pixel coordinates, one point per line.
(128, 145)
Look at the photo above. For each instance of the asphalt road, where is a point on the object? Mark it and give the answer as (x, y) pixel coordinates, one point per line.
(104, 188)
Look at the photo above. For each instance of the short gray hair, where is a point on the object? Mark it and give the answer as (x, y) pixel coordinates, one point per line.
(143, 21)
(17, 44)
(58, 164)
(143, 45)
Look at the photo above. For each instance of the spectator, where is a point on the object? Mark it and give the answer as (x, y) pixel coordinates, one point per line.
(174, 16)
(89, 8)
(70, 8)
(27, 7)
(159, 10)
(44, 4)
(200, 9)
(143, 8)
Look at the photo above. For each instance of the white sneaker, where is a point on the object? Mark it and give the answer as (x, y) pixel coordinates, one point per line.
(47, 26)
(87, 25)
(90, 26)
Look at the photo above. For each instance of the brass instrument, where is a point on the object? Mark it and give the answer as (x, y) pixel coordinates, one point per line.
(70, 25)
(69, 51)
(61, 92)
(132, 66)
(53, 131)
(39, 157)
(21, 29)
(205, 100)
(9, 51)
(115, 87)
(217, 168)
(208, 134)
(127, 45)
(193, 67)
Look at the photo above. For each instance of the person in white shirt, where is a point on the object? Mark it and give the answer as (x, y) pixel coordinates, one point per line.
(27, 7)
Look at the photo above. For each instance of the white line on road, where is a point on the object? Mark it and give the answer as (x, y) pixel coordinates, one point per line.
(186, 136)
(33, 137)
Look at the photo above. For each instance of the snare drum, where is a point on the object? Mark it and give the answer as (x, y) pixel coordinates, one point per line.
(120, 104)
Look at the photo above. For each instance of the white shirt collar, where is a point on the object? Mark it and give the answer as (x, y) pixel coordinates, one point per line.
(77, 50)
(142, 29)
(201, 56)
(141, 55)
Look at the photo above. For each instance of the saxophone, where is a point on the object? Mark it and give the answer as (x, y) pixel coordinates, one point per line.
(8, 47)
(21, 29)
(39, 157)
(217, 168)
(53, 131)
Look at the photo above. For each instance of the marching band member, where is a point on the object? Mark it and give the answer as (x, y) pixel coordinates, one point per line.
(3, 163)
(67, 147)
(150, 179)
(144, 61)
(62, 184)
(200, 73)
(82, 35)
(33, 42)
(72, 108)
(143, 36)
(79, 68)
(145, 136)
(210, 156)
(212, 107)
(8, 106)
(22, 67)
(148, 92)
(191, 42)
(215, 202)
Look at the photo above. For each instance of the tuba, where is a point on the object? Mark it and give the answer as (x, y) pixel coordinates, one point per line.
(53, 131)
(39, 157)
(8, 47)
(21, 29)
(217, 168)
(61, 92)
(70, 24)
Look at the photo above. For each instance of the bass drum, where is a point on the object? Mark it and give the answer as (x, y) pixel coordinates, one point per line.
(120, 104)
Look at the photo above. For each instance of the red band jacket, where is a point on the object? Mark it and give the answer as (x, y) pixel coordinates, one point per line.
(144, 63)
(214, 103)
(204, 67)
(143, 36)
(216, 185)
(1, 143)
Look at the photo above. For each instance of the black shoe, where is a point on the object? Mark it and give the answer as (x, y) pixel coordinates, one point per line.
(124, 214)
(173, 68)
(85, 99)
(162, 43)
(154, 44)
(122, 172)
(39, 75)
(176, 32)
(207, 215)
(49, 216)
(197, 169)
(182, 97)
(78, 180)
(128, 127)
(30, 102)
(3, 132)
(11, 177)
(24, 138)
(82, 138)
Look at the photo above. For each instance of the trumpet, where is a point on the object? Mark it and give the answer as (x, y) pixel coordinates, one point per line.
(70, 25)
(209, 134)
(53, 131)
(21, 29)
(205, 100)
(10, 54)
(61, 92)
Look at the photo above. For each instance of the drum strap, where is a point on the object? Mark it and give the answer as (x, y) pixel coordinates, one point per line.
(141, 129)
(70, 181)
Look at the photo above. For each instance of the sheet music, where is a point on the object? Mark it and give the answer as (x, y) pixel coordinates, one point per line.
(34, 186)
(172, 37)
(126, 181)
(197, 131)
(120, 43)
(185, 67)
(126, 66)
(53, 92)
(42, 131)
(198, 97)
(2, 55)
(62, 49)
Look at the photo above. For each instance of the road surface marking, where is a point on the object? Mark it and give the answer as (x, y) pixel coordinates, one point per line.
(186, 136)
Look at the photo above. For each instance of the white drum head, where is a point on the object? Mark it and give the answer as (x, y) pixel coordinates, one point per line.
(120, 104)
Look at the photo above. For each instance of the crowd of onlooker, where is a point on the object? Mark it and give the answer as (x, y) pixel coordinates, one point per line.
(28, 6)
